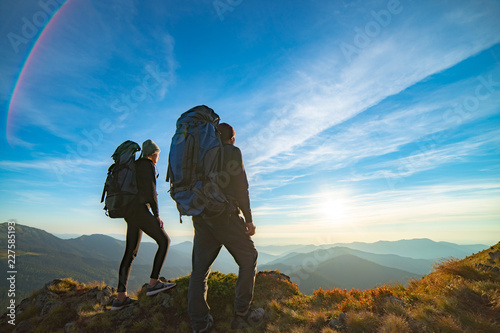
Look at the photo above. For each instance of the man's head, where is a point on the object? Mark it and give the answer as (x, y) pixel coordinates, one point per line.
(226, 133)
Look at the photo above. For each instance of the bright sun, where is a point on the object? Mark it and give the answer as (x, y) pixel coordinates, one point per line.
(332, 208)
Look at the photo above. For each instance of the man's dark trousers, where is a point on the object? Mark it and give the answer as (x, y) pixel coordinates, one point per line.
(209, 236)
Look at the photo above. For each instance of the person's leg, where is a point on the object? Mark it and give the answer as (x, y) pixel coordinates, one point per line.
(205, 250)
(149, 224)
(243, 250)
(134, 235)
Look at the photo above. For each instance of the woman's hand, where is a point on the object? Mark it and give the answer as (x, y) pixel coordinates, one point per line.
(160, 221)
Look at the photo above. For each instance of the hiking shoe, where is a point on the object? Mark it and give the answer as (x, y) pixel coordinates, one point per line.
(159, 287)
(251, 319)
(117, 305)
(209, 326)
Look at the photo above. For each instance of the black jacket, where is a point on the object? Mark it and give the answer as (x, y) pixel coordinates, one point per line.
(146, 183)
(237, 187)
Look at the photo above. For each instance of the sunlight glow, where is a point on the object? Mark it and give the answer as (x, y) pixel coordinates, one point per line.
(332, 208)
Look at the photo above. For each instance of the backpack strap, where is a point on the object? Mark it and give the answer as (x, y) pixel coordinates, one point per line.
(169, 170)
(187, 158)
(196, 153)
(103, 193)
(221, 159)
(104, 188)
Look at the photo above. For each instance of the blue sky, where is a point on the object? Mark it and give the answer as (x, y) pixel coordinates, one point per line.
(358, 120)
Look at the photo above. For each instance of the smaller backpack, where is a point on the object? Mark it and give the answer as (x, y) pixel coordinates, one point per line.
(120, 187)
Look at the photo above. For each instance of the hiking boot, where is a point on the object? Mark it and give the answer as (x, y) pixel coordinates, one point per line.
(252, 318)
(118, 305)
(209, 326)
(159, 287)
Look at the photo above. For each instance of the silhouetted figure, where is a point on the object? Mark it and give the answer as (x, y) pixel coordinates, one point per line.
(232, 231)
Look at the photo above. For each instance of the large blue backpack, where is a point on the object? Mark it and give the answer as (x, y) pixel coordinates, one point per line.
(120, 187)
(194, 164)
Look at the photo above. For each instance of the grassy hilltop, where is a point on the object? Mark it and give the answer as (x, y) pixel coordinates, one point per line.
(458, 296)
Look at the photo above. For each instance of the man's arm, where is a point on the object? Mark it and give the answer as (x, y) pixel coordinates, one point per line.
(239, 184)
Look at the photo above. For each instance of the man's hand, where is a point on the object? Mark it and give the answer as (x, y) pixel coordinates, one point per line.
(160, 221)
(250, 229)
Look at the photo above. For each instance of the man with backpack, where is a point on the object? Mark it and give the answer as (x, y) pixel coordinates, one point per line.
(232, 231)
(142, 215)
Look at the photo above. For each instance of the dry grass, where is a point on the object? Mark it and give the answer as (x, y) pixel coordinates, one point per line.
(456, 297)
(392, 323)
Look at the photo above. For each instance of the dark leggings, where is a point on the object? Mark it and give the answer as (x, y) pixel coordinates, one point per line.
(138, 221)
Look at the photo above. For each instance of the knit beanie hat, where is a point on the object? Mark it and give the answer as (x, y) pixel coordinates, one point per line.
(149, 147)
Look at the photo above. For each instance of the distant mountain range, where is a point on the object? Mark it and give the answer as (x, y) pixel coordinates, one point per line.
(418, 248)
(41, 257)
(343, 267)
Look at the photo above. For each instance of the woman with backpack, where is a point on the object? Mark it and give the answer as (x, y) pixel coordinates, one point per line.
(143, 216)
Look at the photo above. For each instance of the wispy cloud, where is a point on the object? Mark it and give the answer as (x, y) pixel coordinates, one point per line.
(168, 76)
(316, 100)
(48, 164)
(33, 197)
(417, 132)
(422, 204)
(431, 158)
